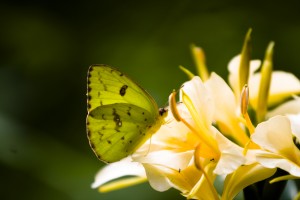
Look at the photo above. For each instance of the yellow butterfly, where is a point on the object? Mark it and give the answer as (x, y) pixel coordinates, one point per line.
(121, 114)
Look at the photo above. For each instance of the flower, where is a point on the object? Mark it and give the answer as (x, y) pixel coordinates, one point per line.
(185, 154)
(275, 137)
(209, 132)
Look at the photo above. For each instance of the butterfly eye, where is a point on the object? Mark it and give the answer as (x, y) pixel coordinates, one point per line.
(162, 111)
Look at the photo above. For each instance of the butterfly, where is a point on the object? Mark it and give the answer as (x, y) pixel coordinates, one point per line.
(121, 114)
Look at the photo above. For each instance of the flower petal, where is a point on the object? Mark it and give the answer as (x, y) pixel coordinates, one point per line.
(167, 158)
(199, 102)
(243, 177)
(231, 156)
(157, 177)
(124, 167)
(224, 99)
(227, 109)
(289, 107)
(275, 135)
(272, 160)
(233, 68)
(295, 122)
(278, 91)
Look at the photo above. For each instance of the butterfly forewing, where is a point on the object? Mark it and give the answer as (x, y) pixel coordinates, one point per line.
(107, 85)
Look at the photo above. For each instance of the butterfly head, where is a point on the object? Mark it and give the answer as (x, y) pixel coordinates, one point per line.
(163, 112)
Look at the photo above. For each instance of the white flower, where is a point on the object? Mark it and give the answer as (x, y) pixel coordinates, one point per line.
(275, 137)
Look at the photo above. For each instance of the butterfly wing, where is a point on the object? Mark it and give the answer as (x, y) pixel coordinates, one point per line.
(121, 115)
(116, 130)
(107, 85)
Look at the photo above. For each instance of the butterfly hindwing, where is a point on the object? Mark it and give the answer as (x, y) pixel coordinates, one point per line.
(118, 128)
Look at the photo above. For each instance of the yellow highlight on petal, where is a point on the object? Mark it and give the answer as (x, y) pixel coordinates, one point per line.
(119, 184)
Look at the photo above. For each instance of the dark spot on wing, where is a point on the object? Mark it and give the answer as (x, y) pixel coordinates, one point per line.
(128, 111)
(101, 135)
(123, 90)
(123, 138)
(117, 120)
(130, 141)
(108, 141)
(145, 119)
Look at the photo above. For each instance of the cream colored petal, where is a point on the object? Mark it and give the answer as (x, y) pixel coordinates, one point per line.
(185, 180)
(295, 122)
(283, 85)
(199, 101)
(167, 158)
(233, 68)
(157, 177)
(272, 160)
(124, 167)
(243, 177)
(289, 107)
(231, 156)
(224, 99)
(275, 135)
(227, 109)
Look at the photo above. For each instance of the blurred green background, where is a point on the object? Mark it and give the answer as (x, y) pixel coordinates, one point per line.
(47, 46)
